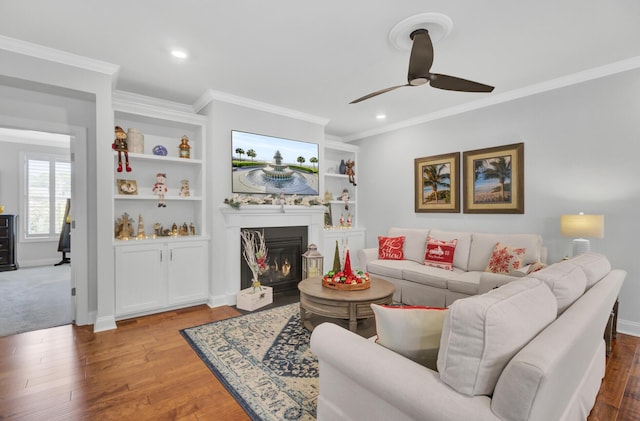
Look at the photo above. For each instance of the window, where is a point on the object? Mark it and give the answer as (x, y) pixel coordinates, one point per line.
(47, 186)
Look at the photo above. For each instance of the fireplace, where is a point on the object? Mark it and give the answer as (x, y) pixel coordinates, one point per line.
(285, 246)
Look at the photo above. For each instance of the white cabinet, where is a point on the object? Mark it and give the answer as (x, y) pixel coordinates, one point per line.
(353, 238)
(156, 272)
(159, 275)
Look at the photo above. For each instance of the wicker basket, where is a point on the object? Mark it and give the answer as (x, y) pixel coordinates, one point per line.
(346, 287)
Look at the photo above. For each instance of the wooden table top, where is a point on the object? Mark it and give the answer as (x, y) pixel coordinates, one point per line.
(379, 289)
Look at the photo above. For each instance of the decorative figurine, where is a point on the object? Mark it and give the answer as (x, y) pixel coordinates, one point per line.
(349, 221)
(345, 198)
(160, 188)
(157, 229)
(124, 227)
(184, 188)
(192, 229)
(120, 145)
(174, 229)
(184, 230)
(184, 147)
(341, 220)
(351, 172)
(141, 235)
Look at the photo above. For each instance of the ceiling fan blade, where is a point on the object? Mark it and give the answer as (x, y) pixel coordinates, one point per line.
(452, 83)
(376, 93)
(421, 57)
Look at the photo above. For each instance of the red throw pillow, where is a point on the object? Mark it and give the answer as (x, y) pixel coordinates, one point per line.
(505, 259)
(440, 253)
(390, 248)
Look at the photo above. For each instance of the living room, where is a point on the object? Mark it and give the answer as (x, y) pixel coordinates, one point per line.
(576, 128)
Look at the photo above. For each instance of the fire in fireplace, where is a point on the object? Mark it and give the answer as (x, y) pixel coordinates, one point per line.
(285, 246)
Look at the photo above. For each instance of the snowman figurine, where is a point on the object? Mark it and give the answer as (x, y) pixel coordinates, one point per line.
(160, 188)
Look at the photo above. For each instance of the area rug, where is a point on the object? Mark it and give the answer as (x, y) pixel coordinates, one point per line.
(264, 361)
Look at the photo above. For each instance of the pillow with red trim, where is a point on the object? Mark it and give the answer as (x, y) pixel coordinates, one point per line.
(535, 266)
(505, 259)
(411, 331)
(390, 248)
(440, 253)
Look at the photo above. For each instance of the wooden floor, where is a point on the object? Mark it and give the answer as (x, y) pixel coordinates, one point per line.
(145, 370)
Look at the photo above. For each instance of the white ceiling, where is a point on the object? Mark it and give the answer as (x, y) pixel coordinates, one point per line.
(315, 57)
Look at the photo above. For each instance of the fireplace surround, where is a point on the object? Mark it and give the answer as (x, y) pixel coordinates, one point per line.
(262, 216)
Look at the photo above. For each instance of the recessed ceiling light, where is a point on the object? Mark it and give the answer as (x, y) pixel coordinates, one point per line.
(179, 53)
(381, 116)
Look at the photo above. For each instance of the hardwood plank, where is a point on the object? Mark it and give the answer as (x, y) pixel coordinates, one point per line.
(145, 370)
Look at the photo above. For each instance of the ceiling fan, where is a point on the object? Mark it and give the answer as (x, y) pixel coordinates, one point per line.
(420, 63)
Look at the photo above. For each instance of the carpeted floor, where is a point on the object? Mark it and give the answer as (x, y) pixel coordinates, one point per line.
(264, 360)
(34, 298)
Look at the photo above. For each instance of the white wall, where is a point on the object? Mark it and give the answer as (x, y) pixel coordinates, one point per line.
(29, 253)
(62, 98)
(222, 118)
(581, 147)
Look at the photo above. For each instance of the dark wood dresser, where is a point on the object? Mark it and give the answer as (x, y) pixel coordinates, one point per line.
(8, 242)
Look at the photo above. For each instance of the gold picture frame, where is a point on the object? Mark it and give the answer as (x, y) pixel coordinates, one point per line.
(437, 183)
(127, 187)
(494, 179)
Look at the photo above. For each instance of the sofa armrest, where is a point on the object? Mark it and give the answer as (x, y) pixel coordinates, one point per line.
(360, 379)
(365, 256)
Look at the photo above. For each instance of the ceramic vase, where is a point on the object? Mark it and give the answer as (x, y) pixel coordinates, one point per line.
(135, 140)
(343, 167)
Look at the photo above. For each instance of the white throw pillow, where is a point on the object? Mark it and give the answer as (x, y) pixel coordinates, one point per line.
(482, 333)
(411, 331)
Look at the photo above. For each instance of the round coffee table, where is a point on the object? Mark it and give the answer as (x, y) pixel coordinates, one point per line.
(338, 304)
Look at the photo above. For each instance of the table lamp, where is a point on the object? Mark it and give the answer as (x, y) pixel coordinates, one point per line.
(581, 227)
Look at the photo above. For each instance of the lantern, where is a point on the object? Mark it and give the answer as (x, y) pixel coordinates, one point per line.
(312, 262)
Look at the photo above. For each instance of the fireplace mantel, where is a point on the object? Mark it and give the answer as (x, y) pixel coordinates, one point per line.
(253, 216)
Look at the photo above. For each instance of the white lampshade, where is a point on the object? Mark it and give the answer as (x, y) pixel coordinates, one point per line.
(580, 227)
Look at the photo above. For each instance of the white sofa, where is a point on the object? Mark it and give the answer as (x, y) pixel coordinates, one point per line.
(554, 375)
(417, 284)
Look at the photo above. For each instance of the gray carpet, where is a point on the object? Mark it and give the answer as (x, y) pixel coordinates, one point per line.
(34, 298)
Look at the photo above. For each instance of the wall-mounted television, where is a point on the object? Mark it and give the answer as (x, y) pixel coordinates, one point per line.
(268, 164)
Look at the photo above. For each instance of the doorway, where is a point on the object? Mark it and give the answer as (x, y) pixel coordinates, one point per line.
(39, 291)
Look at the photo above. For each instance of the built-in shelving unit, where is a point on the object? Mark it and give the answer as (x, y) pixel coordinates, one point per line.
(338, 229)
(157, 272)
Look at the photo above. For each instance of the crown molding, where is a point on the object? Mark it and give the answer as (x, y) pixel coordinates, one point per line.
(212, 95)
(57, 56)
(123, 101)
(561, 82)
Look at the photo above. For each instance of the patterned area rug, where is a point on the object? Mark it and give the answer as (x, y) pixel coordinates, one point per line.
(264, 361)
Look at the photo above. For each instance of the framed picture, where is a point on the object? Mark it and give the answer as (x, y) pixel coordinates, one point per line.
(494, 180)
(437, 183)
(127, 187)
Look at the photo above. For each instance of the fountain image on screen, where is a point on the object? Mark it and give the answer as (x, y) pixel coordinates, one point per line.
(267, 164)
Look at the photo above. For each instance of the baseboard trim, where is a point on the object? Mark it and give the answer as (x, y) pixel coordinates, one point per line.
(628, 327)
(221, 300)
(104, 323)
(40, 262)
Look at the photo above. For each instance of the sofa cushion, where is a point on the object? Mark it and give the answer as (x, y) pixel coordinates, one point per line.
(595, 266)
(391, 268)
(465, 283)
(461, 257)
(566, 280)
(505, 259)
(482, 333)
(428, 275)
(483, 244)
(412, 331)
(440, 253)
(415, 241)
(390, 248)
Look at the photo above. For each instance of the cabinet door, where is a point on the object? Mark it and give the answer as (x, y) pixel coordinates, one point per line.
(188, 272)
(140, 279)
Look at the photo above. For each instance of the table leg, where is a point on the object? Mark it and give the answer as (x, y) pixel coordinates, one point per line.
(353, 321)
